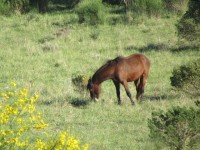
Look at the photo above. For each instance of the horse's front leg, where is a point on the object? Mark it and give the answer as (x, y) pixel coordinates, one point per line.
(117, 86)
(125, 84)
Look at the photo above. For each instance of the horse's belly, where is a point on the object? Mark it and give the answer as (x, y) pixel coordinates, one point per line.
(133, 76)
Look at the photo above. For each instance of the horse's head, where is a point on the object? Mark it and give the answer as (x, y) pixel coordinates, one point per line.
(94, 89)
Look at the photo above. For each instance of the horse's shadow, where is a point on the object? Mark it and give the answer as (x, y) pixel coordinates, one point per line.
(76, 102)
(157, 97)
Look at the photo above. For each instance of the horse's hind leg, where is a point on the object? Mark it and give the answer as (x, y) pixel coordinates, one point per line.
(125, 84)
(117, 86)
(143, 80)
(137, 83)
(139, 88)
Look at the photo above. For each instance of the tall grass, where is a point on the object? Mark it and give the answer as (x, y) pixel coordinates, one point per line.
(158, 7)
(43, 52)
(151, 8)
(176, 6)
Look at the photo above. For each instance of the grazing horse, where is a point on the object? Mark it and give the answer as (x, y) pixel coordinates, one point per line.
(121, 70)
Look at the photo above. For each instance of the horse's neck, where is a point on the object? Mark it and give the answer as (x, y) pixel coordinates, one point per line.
(104, 73)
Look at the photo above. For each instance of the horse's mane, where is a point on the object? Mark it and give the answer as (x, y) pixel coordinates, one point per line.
(108, 63)
(116, 60)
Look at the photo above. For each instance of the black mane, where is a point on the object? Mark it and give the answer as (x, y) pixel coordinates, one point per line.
(108, 63)
(116, 60)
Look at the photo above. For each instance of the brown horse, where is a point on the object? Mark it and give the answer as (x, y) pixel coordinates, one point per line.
(121, 70)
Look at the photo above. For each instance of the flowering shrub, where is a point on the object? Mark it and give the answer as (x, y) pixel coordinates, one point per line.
(19, 118)
(80, 82)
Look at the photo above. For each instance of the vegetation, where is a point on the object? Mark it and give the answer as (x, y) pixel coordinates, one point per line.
(21, 124)
(52, 54)
(91, 12)
(187, 78)
(176, 6)
(189, 25)
(178, 128)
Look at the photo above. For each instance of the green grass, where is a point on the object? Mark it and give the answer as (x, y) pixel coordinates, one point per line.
(43, 52)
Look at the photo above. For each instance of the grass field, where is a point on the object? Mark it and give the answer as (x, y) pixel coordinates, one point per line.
(44, 53)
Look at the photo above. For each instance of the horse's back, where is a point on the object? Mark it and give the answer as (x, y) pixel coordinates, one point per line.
(138, 59)
(133, 66)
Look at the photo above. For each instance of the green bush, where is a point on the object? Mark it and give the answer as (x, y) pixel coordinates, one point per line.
(79, 82)
(187, 78)
(72, 3)
(112, 2)
(154, 8)
(91, 12)
(176, 6)
(178, 128)
(189, 25)
(151, 8)
(18, 6)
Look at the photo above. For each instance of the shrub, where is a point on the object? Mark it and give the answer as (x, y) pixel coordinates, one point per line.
(154, 7)
(150, 8)
(91, 12)
(112, 2)
(79, 82)
(177, 128)
(187, 78)
(189, 25)
(18, 6)
(71, 3)
(22, 126)
(176, 6)
(4, 9)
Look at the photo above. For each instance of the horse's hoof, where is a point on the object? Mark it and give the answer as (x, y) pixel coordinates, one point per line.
(96, 99)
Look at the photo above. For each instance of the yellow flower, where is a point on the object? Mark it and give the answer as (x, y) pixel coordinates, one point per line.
(19, 120)
(38, 115)
(21, 102)
(58, 147)
(32, 118)
(40, 145)
(34, 98)
(21, 144)
(4, 95)
(23, 92)
(31, 108)
(63, 137)
(72, 143)
(85, 147)
(13, 83)
(10, 132)
(22, 129)
(4, 118)
(11, 94)
(40, 125)
(18, 115)
(11, 110)
(3, 132)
